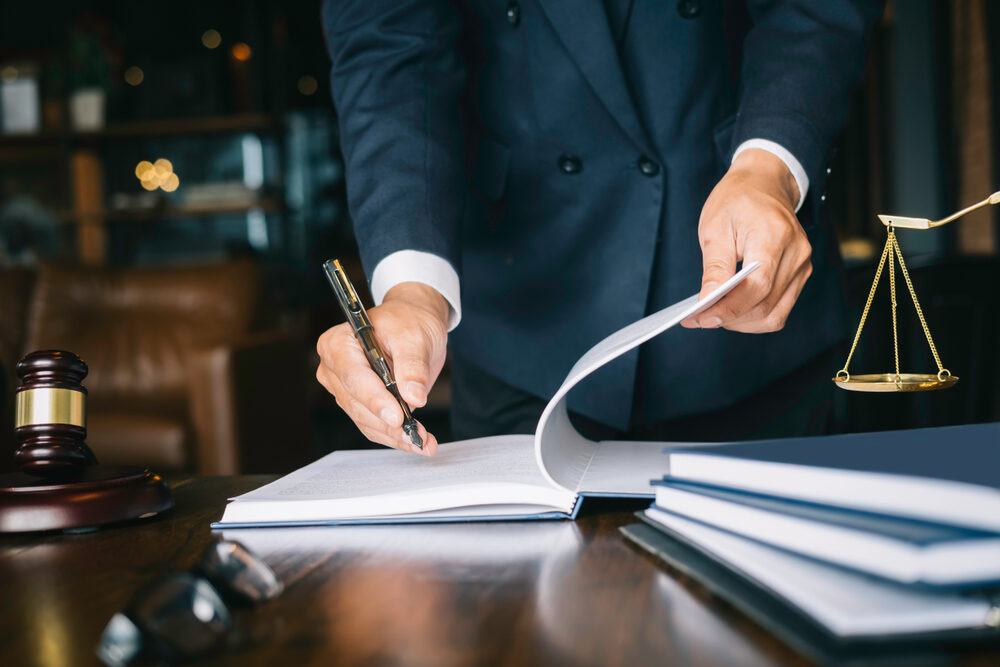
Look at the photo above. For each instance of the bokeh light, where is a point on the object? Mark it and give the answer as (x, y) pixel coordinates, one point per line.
(308, 85)
(211, 38)
(8, 74)
(143, 169)
(170, 183)
(134, 75)
(159, 174)
(163, 167)
(241, 51)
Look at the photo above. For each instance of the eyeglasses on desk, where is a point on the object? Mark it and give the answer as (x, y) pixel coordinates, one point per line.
(186, 615)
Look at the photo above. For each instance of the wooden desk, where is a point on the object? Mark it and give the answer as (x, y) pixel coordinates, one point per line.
(545, 593)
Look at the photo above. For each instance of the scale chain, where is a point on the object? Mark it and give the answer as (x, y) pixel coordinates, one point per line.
(920, 313)
(868, 305)
(893, 255)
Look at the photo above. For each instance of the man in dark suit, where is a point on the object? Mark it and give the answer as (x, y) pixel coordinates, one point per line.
(547, 171)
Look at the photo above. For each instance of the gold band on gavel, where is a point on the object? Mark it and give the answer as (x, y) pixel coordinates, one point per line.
(49, 405)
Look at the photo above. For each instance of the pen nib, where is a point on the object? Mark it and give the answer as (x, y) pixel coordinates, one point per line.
(411, 431)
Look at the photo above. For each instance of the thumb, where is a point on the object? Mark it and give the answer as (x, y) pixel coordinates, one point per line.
(718, 262)
(411, 366)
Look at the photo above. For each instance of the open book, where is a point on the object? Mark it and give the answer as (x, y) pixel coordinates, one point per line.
(497, 478)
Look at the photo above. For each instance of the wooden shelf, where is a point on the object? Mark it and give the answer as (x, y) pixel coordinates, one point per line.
(190, 210)
(82, 151)
(171, 212)
(150, 128)
(13, 154)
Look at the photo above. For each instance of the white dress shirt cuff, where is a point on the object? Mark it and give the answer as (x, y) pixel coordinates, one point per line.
(414, 266)
(794, 166)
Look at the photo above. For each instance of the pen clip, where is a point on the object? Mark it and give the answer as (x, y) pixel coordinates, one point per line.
(345, 285)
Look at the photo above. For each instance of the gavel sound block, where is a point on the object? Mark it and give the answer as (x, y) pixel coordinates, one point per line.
(60, 485)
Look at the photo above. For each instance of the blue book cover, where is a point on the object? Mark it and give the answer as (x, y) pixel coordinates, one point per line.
(948, 475)
(912, 531)
(967, 453)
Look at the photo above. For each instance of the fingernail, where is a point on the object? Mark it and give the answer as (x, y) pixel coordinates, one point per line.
(388, 415)
(712, 322)
(418, 391)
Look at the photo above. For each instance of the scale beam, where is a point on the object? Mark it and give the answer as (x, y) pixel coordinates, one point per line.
(923, 223)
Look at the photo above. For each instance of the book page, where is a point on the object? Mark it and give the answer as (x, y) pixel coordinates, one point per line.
(624, 469)
(563, 454)
(363, 483)
(355, 473)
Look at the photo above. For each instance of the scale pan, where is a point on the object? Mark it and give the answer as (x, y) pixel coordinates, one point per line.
(888, 382)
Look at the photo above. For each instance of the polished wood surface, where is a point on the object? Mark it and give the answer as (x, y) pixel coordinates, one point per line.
(544, 592)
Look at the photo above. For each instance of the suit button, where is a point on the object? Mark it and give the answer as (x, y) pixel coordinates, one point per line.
(570, 164)
(648, 167)
(689, 9)
(514, 14)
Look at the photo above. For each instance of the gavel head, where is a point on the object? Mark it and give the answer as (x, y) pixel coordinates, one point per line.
(50, 414)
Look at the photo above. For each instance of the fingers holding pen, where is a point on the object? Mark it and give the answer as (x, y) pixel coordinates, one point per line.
(344, 372)
(411, 327)
(346, 365)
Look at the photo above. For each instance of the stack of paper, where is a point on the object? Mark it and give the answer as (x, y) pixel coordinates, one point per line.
(866, 535)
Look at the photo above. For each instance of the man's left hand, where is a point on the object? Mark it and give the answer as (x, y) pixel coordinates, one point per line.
(750, 216)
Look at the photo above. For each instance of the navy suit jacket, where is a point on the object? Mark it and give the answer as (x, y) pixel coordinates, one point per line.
(507, 137)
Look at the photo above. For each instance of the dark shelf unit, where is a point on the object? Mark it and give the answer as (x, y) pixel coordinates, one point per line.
(81, 151)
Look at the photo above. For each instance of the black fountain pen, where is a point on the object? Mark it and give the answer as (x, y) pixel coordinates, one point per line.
(356, 315)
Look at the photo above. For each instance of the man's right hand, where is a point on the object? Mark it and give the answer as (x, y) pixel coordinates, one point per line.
(412, 326)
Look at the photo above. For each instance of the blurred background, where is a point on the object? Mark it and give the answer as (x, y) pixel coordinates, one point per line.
(170, 182)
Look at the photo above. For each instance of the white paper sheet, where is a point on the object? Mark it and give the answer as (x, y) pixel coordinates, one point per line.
(366, 473)
(498, 471)
(563, 454)
(623, 468)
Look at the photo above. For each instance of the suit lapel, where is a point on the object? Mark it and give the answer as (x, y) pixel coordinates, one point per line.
(583, 29)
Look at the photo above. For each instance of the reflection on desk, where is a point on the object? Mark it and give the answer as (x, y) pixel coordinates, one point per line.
(421, 586)
(526, 593)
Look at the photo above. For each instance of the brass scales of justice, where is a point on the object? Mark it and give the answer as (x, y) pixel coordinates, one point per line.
(879, 382)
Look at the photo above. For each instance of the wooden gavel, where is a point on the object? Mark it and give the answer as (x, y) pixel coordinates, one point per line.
(60, 485)
(50, 418)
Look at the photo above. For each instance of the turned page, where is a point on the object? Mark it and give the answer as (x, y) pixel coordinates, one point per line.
(573, 462)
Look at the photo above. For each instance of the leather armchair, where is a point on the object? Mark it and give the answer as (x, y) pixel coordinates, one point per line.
(178, 378)
(15, 296)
